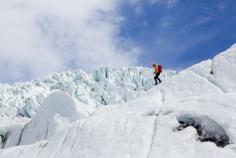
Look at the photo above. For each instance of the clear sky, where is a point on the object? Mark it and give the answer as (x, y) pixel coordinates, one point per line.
(41, 36)
(180, 33)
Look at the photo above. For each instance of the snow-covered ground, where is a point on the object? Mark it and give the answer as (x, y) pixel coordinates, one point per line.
(145, 127)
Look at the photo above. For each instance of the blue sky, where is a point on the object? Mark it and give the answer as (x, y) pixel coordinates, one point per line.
(182, 34)
(41, 36)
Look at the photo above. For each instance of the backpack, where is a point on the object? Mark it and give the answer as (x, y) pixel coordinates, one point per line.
(159, 68)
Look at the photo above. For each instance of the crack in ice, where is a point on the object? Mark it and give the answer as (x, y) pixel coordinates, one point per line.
(153, 137)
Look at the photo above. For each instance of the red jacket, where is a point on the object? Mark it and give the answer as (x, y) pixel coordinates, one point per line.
(158, 69)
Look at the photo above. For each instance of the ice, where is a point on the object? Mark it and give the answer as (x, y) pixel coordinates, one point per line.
(58, 110)
(10, 127)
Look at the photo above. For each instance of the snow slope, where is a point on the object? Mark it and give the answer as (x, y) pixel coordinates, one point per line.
(146, 127)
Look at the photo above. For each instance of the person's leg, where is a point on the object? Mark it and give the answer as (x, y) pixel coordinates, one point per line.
(158, 74)
(155, 78)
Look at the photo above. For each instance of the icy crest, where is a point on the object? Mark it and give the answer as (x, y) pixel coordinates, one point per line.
(234, 45)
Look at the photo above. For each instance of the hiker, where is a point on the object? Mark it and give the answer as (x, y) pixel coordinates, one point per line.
(157, 72)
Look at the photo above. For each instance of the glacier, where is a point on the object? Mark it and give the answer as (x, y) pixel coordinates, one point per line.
(116, 113)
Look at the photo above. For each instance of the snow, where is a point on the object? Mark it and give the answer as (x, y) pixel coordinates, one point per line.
(140, 121)
(224, 68)
(58, 110)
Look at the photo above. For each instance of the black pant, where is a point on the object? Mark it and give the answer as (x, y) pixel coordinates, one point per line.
(157, 78)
